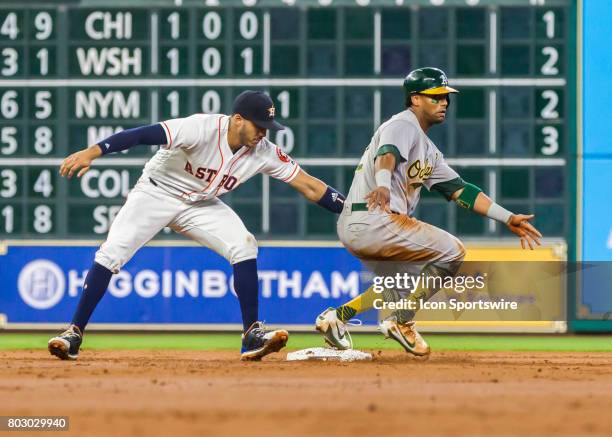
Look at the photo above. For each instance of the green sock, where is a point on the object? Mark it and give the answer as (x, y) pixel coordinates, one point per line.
(357, 305)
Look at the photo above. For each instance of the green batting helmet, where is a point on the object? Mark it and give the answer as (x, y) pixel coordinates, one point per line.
(427, 80)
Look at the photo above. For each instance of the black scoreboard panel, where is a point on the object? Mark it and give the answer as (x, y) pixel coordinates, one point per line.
(73, 73)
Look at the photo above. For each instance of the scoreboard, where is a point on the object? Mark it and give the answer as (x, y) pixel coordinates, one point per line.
(74, 72)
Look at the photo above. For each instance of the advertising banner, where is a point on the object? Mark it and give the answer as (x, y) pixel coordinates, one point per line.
(162, 285)
(173, 286)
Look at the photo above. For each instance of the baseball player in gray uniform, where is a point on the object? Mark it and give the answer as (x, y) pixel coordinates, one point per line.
(377, 225)
(202, 157)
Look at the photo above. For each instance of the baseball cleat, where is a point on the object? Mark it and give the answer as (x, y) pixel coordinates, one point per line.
(257, 343)
(406, 335)
(333, 329)
(66, 345)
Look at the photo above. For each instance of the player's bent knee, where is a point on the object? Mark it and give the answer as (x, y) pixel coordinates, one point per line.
(460, 252)
(244, 250)
(109, 259)
(452, 259)
(457, 258)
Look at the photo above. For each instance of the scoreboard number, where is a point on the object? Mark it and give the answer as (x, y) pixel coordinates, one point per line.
(211, 25)
(9, 26)
(43, 56)
(173, 99)
(8, 143)
(211, 61)
(44, 26)
(549, 111)
(247, 55)
(10, 62)
(43, 140)
(174, 19)
(173, 57)
(9, 108)
(43, 219)
(550, 66)
(44, 184)
(9, 183)
(284, 99)
(551, 139)
(285, 140)
(44, 108)
(9, 219)
(249, 25)
(549, 19)
(211, 102)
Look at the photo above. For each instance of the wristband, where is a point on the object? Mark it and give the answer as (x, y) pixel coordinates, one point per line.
(468, 196)
(332, 200)
(497, 212)
(383, 178)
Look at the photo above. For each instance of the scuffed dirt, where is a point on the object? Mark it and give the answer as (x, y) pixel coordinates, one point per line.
(176, 393)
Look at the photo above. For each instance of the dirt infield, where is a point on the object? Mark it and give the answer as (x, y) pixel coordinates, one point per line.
(144, 393)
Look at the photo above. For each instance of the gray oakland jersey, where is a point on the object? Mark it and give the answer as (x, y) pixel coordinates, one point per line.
(421, 163)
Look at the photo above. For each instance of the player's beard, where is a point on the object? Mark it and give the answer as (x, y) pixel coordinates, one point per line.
(244, 139)
(435, 119)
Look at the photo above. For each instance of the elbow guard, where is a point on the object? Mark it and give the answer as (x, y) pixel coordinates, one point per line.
(468, 196)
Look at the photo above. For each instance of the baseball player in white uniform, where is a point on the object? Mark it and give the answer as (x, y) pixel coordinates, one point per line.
(377, 222)
(202, 157)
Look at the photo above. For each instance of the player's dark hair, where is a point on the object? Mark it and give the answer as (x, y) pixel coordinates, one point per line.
(408, 101)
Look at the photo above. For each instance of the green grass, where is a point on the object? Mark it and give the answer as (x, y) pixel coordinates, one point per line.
(214, 341)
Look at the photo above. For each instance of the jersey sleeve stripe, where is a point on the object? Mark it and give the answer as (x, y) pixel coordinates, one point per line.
(390, 148)
(168, 136)
(293, 174)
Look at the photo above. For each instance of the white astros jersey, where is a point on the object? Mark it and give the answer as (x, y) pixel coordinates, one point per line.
(421, 163)
(179, 189)
(198, 164)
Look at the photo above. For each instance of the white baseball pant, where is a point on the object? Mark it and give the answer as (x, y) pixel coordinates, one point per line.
(148, 209)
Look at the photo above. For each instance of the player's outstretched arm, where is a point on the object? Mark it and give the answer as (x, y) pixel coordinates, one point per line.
(484, 205)
(519, 225)
(317, 191)
(81, 160)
